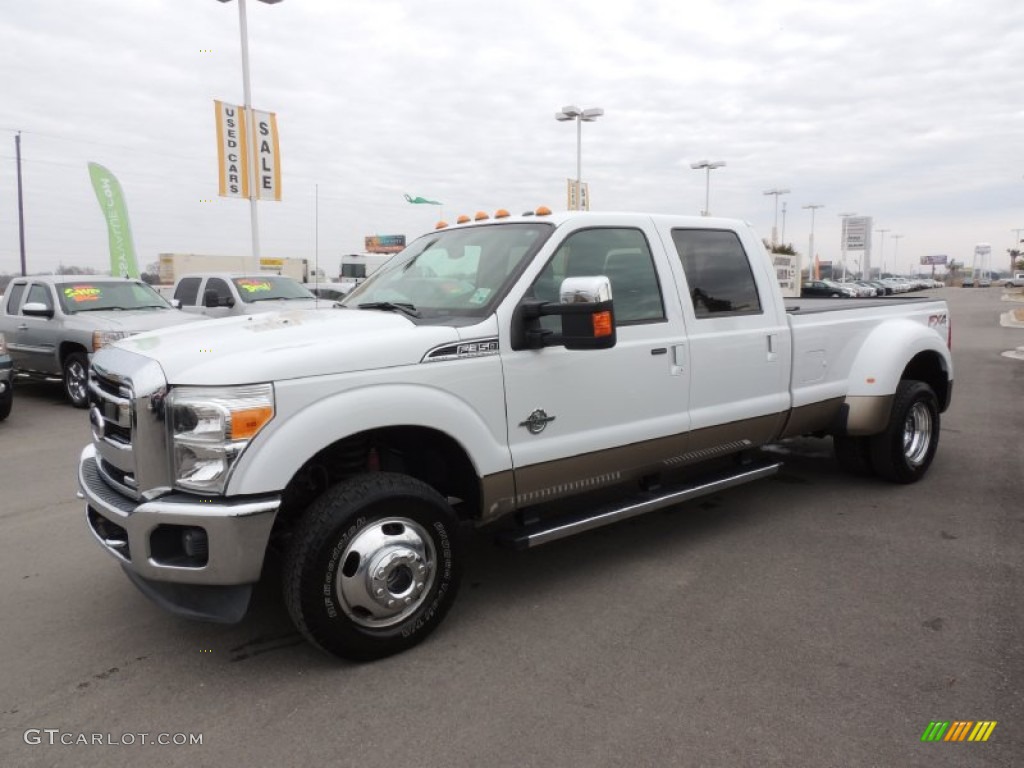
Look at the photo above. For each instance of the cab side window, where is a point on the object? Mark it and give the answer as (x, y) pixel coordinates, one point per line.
(622, 255)
(717, 272)
(39, 294)
(187, 291)
(216, 291)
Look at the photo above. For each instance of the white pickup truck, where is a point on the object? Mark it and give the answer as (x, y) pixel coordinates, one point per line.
(556, 372)
(225, 294)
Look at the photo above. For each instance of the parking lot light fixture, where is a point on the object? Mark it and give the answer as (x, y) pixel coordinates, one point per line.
(708, 166)
(250, 129)
(775, 227)
(581, 116)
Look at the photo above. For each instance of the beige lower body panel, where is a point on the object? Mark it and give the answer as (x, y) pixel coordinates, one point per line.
(868, 415)
(551, 480)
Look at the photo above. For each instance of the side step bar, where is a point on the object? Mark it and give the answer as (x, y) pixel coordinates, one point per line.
(552, 529)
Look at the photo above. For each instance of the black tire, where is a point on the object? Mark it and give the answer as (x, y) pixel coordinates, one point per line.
(373, 566)
(6, 401)
(76, 379)
(903, 453)
(853, 455)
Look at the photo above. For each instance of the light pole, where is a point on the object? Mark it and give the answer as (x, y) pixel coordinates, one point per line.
(708, 166)
(775, 227)
(250, 130)
(881, 249)
(844, 217)
(581, 116)
(810, 241)
(896, 252)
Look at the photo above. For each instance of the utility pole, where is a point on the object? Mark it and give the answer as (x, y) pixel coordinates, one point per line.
(881, 254)
(21, 205)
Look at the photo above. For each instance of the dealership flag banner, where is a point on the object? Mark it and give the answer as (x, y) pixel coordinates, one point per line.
(268, 156)
(111, 199)
(232, 150)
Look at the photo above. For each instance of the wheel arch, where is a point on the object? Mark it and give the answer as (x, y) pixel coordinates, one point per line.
(894, 351)
(416, 430)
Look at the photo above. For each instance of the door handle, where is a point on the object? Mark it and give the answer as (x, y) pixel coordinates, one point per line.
(773, 341)
(23, 327)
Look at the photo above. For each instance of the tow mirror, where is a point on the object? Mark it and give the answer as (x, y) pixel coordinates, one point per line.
(585, 307)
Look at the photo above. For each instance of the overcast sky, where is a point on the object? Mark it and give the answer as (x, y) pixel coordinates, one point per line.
(912, 113)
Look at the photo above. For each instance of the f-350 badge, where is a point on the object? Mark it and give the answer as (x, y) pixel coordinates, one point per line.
(537, 421)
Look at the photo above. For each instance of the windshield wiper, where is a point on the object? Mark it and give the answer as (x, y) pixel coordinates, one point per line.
(391, 306)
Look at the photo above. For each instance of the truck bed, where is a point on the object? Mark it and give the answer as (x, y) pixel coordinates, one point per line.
(812, 304)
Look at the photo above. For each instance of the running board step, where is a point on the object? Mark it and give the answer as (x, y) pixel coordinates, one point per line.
(552, 529)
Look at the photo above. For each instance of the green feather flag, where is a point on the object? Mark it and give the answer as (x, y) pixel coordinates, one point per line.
(421, 200)
(111, 199)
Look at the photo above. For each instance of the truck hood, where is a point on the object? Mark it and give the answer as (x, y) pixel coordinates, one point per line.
(285, 345)
(134, 320)
(282, 305)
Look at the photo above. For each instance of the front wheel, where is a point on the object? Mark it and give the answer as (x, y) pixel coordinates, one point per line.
(373, 566)
(76, 379)
(6, 401)
(904, 451)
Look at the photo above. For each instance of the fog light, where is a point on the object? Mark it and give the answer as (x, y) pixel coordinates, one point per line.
(195, 543)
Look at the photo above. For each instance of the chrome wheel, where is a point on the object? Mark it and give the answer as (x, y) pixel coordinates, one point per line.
(76, 379)
(386, 572)
(917, 433)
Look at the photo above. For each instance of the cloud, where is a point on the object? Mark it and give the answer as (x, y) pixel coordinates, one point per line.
(910, 114)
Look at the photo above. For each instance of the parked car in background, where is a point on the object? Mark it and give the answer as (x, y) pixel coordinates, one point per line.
(882, 288)
(825, 288)
(53, 323)
(968, 282)
(329, 291)
(1017, 281)
(6, 380)
(984, 282)
(222, 294)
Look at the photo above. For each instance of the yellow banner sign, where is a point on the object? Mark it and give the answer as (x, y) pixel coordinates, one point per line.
(233, 153)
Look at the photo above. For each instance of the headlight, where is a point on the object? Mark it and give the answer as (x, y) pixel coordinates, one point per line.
(210, 427)
(102, 338)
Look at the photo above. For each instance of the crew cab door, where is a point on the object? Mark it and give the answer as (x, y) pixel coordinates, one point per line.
(738, 336)
(582, 419)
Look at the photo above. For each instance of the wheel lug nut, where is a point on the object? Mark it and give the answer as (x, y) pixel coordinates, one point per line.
(391, 603)
(380, 591)
(408, 600)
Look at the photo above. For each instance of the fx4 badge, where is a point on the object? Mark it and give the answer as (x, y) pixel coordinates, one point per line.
(537, 421)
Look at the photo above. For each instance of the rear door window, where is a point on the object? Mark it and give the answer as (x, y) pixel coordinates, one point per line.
(14, 297)
(717, 272)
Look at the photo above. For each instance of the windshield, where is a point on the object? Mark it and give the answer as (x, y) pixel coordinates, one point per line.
(456, 272)
(87, 295)
(269, 288)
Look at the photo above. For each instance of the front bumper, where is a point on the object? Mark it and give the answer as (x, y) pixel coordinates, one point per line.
(181, 550)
